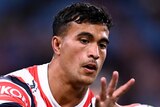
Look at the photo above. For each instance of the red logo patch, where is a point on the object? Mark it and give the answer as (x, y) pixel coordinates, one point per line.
(14, 91)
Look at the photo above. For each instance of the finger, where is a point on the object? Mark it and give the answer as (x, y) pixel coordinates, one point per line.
(113, 83)
(103, 89)
(124, 88)
(132, 105)
(97, 101)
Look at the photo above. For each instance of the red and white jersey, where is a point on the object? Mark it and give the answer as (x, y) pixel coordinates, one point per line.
(29, 88)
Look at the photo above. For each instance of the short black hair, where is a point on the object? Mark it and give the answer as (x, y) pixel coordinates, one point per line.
(80, 13)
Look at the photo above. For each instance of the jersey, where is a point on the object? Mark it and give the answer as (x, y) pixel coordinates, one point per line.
(29, 87)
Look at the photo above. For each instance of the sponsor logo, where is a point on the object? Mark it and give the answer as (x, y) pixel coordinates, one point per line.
(14, 91)
(33, 86)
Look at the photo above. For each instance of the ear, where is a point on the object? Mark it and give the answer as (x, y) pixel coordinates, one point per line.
(56, 44)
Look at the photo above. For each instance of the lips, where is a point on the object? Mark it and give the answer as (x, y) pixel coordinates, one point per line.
(91, 66)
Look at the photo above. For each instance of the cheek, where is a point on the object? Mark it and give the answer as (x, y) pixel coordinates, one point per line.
(103, 56)
(72, 52)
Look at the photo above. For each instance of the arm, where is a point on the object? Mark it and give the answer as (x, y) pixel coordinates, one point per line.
(14, 92)
(110, 94)
(10, 104)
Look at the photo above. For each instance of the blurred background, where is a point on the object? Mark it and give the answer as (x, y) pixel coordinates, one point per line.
(26, 32)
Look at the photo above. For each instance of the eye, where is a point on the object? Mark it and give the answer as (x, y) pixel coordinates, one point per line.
(84, 41)
(103, 45)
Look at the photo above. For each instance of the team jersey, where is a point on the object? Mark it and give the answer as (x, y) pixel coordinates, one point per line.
(29, 88)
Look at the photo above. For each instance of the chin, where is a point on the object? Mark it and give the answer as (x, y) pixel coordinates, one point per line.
(88, 80)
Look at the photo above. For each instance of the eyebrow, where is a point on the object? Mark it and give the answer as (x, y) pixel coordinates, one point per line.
(85, 34)
(89, 35)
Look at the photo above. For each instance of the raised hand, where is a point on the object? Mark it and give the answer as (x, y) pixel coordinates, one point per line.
(110, 94)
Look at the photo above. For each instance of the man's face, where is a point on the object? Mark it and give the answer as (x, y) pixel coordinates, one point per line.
(83, 51)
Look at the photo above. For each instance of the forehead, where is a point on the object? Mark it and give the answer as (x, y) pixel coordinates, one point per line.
(97, 30)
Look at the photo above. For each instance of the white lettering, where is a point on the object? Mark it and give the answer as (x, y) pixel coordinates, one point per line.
(15, 93)
(5, 90)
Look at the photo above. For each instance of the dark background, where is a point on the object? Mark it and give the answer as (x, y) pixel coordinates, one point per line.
(25, 40)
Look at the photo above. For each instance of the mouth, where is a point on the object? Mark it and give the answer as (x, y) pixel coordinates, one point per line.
(90, 67)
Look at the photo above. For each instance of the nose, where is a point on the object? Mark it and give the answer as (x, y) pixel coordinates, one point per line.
(93, 52)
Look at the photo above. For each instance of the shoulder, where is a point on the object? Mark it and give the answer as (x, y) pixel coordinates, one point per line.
(14, 90)
(22, 86)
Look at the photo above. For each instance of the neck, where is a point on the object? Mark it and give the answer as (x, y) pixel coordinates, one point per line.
(64, 92)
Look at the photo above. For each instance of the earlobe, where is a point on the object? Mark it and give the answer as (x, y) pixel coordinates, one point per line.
(56, 44)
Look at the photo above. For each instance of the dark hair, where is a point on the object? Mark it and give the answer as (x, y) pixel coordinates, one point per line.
(80, 13)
